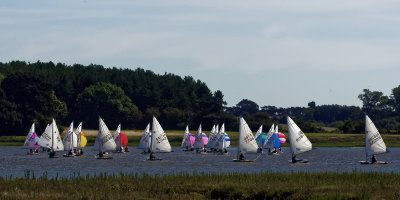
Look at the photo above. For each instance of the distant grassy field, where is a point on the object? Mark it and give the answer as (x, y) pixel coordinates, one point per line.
(356, 185)
(175, 138)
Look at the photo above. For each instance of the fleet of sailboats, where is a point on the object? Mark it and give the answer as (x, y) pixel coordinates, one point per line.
(156, 141)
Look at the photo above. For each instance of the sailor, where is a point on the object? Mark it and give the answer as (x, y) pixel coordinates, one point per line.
(259, 150)
(373, 159)
(70, 153)
(126, 149)
(294, 159)
(241, 156)
(225, 150)
(152, 157)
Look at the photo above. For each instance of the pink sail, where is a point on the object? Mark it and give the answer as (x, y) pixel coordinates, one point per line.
(282, 137)
(33, 141)
(191, 138)
(205, 138)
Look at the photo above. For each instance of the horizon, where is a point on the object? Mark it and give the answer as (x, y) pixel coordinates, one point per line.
(273, 53)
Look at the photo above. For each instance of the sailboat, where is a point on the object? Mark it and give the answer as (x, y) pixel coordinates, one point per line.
(246, 143)
(159, 141)
(121, 140)
(274, 143)
(51, 139)
(82, 141)
(145, 140)
(31, 141)
(223, 142)
(188, 140)
(105, 141)
(299, 142)
(201, 141)
(373, 143)
(70, 141)
(212, 140)
(268, 142)
(261, 138)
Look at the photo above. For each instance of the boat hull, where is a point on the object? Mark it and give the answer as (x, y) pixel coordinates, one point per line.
(377, 162)
(237, 160)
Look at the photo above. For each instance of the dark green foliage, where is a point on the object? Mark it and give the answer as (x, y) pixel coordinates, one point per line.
(244, 108)
(108, 101)
(190, 100)
(27, 99)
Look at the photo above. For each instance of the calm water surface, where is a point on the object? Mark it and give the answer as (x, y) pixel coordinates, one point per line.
(14, 162)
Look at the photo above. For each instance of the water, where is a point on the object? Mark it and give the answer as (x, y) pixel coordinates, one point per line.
(15, 163)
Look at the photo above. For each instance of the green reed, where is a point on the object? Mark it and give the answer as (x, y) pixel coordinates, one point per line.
(292, 185)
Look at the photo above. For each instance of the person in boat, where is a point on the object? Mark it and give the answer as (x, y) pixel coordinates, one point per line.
(80, 152)
(70, 153)
(101, 154)
(152, 156)
(241, 156)
(36, 150)
(373, 159)
(225, 150)
(259, 150)
(126, 149)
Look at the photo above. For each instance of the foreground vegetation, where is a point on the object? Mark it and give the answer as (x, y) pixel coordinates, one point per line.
(175, 138)
(300, 185)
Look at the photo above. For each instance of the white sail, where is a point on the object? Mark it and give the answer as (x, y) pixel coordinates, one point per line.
(70, 140)
(198, 143)
(57, 144)
(268, 144)
(299, 142)
(78, 134)
(30, 133)
(247, 143)
(213, 139)
(145, 139)
(276, 129)
(117, 132)
(258, 132)
(183, 145)
(223, 139)
(104, 138)
(45, 138)
(117, 138)
(159, 140)
(373, 141)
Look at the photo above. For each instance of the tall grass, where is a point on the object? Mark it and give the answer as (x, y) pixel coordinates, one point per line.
(299, 185)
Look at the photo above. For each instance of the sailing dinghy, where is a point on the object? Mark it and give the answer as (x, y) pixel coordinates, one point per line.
(105, 141)
(299, 142)
(121, 140)
(201, 141)
(82, 141)
(70, 141)
(188, 140)
(223, 142)
(159, 141)
(31, 141)
(51, 139)
(145, 140)
(247, 143)
(373, 143)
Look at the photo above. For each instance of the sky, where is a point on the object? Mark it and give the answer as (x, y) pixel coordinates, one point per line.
(280, 53)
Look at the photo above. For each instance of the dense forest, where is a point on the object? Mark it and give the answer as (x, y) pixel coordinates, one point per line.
(38, 92)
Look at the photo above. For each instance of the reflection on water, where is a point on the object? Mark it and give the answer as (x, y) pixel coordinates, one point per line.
(14, 162)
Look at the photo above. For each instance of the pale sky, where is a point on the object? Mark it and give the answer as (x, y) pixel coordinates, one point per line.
(281, 53)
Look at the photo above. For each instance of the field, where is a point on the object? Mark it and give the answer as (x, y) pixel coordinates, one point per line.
(354, 185)
(175, 138)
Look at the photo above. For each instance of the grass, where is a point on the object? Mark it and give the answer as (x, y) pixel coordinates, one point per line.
(175, 138)
(299, 185)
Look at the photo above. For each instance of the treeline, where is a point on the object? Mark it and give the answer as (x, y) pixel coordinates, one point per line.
(37, 92)
(384, 110)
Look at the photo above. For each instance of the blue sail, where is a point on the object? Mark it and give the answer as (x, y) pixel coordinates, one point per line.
(277, 142)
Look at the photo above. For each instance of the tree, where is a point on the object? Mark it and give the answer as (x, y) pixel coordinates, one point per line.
(312, 104)
(244, 106)
(395, 97)
(259, 118)
(31, 99)
(108, 101)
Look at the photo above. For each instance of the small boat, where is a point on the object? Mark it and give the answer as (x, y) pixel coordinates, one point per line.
(213, 139)
(121, 140)
(223, 142)
(158, 140)
(82, 141)
(145, 140)
(373, 143)
(105, 141)
(201, 141)
(31, 141)
(299, 142)
(51, 139)
(70, 141)
(246, 144)
(188, 140)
